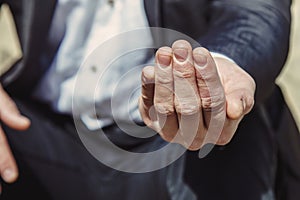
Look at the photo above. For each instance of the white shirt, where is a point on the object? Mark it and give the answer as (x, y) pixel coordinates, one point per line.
(88, 24)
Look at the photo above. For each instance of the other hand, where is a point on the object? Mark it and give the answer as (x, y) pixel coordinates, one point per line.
(10, 116)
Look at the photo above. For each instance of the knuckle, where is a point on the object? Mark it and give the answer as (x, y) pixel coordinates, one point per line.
(164, 108)
(187, 106)
(163, 79)
(206, 76)
(184, 73)
(213, 103)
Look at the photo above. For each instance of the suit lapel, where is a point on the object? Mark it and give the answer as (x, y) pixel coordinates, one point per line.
(33, 19)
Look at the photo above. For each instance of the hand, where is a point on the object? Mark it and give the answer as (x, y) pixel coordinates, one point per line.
(10, 116)
(192, 99)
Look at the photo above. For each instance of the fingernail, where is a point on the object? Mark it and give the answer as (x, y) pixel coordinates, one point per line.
(8, 175)
(181, 54)
(164, 60)
(200, 59)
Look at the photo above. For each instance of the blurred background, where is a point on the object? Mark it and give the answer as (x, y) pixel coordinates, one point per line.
(289, 79)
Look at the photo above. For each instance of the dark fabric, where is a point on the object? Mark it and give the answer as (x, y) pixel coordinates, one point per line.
(32, 19)
(235, 28)
(55, 165)
(52, 157)
(288, 184)
(244, 169)
(245, 40)
(261, 162)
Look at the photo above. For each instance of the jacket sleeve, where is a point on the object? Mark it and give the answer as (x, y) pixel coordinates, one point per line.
(254, 33)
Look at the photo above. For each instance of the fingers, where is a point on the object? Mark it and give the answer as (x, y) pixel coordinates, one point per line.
(146, 99)
(8, 167)
(211, 93)
(187, 100)
(164, 94)
(187, 103)
(228, 131)
(9, 114)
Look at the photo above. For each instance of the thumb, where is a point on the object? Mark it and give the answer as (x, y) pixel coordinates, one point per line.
(238, 104)
(9, 113)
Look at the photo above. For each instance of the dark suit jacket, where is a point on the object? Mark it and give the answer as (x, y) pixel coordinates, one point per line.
(255, 34)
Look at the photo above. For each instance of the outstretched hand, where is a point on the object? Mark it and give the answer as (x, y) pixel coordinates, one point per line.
(191, 98)
(9, 115)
